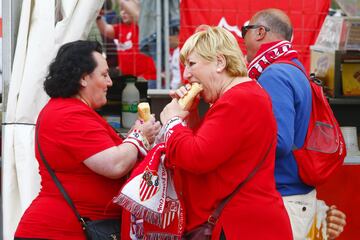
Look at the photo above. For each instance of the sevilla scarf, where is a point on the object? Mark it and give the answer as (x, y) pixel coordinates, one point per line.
(269, 53)
(149, 194)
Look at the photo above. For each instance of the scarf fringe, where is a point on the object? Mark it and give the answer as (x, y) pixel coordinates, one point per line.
(161, 236)
(138, 210)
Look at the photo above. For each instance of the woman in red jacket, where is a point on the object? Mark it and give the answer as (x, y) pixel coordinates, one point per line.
(218, 152)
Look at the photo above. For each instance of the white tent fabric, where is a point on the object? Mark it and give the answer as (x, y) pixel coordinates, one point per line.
(38, 41)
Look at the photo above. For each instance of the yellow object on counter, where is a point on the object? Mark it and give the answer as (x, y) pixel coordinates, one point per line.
(351, 79)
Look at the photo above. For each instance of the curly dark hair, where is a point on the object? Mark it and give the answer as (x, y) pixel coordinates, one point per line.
(73, 60)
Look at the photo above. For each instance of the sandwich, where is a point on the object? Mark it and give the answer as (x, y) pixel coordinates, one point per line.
(144, 111)
(187, 100)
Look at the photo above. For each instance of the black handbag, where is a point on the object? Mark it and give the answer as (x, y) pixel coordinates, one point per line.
(102, 229)
(204, 231)
(106, 229)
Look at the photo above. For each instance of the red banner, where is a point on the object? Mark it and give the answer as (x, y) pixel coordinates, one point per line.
(307, 17)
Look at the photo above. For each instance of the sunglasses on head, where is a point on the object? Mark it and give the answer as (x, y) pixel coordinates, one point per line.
(244, 29)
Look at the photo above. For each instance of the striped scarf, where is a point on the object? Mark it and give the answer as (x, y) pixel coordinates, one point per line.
(149, 195)
(269, 53)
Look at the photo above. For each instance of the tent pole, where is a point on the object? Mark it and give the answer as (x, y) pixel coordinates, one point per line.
(11, 11)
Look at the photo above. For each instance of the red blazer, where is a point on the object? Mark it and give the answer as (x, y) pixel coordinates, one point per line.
(211, 161)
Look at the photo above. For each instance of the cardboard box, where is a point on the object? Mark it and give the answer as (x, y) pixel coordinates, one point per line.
(323, 65)
(351, 79)
(327, 64)
(339, 33)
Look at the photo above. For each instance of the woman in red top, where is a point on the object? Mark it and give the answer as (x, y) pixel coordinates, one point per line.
(217, 153)
(88, 157)
(126, 38)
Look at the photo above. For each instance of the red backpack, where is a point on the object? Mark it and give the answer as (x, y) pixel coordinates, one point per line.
(324, 148)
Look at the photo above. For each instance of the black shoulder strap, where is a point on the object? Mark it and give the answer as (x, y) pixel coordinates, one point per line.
(56, 180)
(215, 215)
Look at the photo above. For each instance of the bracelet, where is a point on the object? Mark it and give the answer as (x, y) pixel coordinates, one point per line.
(136, 138)
(171, 124)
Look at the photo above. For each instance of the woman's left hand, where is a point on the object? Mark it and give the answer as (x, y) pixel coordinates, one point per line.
(150, 128)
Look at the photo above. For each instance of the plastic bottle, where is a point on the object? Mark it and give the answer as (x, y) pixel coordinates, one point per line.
(130, 99)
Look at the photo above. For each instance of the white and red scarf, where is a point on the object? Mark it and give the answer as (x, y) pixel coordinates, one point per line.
(149, 195)
(269, 53)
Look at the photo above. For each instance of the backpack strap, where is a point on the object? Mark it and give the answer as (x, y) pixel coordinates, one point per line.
(294, 147)
(292, 63)
(311, 78)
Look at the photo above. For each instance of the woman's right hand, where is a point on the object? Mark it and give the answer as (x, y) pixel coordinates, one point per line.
(171, 110)
(193, 118)
(181, 92)
(149, 129)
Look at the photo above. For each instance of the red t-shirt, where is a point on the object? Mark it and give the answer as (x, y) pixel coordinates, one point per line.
(210, 162)
(130, 59)
(69, 133)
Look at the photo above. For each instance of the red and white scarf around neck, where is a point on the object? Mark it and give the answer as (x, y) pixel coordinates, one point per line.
(269, 53)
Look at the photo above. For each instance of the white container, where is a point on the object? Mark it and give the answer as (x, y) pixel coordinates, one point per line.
(130, 99)
(351, 140)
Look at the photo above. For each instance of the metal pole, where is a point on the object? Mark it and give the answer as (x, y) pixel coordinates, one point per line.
(11, 10)
(167, 45)
(158, 44)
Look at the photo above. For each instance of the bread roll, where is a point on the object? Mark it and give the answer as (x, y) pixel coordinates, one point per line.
(144, 111)
(187, 100)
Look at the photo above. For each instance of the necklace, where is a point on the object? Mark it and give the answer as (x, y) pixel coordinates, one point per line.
(227, 86)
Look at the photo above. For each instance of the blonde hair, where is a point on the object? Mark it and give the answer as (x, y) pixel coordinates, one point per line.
(212, 41)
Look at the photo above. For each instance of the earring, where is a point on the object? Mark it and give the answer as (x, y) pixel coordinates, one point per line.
(218, 70)
(84, 83)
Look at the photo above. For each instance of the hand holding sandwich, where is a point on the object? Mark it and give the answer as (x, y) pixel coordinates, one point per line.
(188, 96)
(147, 123)
(185, 100)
